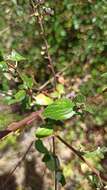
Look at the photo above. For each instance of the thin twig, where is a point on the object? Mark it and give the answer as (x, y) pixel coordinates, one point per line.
(39, 16)
(18, 164)
(52, 79)
(54, 153)
(76, 152)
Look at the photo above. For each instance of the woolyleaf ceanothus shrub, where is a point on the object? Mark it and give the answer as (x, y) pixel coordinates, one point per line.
(76, 35)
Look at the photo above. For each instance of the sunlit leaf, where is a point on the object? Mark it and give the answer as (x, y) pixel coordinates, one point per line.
(28, 81)
(60, 88)
(60, 110)
(20, 95)
(104, 75)
(44, 132)
(41, 99)
(15, 56)
(55, 94)
(3, 66)
(12, 101)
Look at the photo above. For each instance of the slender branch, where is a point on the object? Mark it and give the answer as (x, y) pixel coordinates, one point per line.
(54, 153)
(52, 79)
(76, 152)
(18, 125)
(39, 17)
(18, 164)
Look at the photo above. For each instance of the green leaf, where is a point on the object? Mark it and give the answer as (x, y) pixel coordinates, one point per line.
(49, 161)
(12, 101)
(80, 98)
(19, 96)
(60, 88)
(15, 56)
(28, 81)
(104, 75)
(40, 146)
(61, 109)
(55, 94)
(103, 89)
(90, 108)
(58, 92)
(3, 66)
(44, 132)
(46, 157)
(98, 153)
(60, 178)
(41, 99)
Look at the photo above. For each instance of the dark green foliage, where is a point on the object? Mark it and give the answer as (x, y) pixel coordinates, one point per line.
(40, 146)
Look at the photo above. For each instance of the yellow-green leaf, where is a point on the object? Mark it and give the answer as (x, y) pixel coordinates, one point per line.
(41, 99)
(43, 132)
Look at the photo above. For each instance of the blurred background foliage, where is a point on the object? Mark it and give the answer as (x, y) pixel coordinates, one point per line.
(77, 36)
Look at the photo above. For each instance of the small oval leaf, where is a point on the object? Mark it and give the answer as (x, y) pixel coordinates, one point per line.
(43, 132)
(40, 146)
